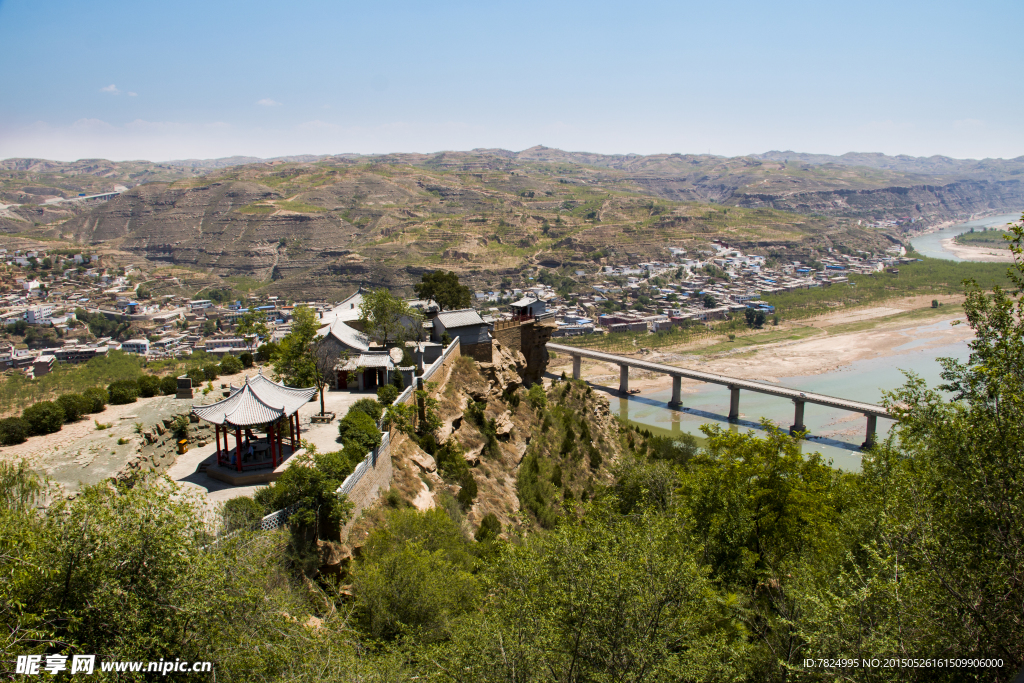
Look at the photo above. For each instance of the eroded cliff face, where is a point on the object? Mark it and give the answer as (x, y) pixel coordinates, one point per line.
(934, 203)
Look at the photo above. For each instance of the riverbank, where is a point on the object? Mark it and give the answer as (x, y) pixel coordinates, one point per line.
(973, 253)
(812, 347)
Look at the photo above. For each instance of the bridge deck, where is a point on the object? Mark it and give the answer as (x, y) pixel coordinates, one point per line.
(732, 382)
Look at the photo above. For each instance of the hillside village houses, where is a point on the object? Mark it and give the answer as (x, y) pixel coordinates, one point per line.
(624, 297)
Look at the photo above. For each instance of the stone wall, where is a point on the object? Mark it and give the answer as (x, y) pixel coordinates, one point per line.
(478, 352)
(370, 479)
(529, 338)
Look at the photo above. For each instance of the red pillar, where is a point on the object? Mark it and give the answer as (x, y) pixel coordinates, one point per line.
(294, 424)
(238, 448)
(280, 441)
(270, 442)
(216, 436)
(298, 434)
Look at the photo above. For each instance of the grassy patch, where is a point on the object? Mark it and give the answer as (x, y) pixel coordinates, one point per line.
(257, 209)
(300, 207)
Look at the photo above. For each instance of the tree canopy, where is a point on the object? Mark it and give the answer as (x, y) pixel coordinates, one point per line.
(386, 317)
(443, 288)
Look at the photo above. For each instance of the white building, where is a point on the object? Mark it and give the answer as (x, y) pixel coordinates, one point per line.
(139, 346)
(39, 315)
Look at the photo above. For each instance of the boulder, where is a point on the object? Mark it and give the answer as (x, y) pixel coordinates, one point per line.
(503, 425)
(425, 462)
(506, 370)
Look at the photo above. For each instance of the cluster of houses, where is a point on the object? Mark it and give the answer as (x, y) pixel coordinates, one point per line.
(645, 297)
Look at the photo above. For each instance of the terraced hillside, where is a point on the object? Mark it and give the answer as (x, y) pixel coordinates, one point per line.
(324, 224)
(336, 224)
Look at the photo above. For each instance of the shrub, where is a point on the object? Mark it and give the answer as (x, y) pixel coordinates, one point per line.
(536, 397)
(149, 386)
(368, 406)
(74, 406)
(267, 352)
(467, 494)
(168, 385)
(246, 358)
(490, 528)
(123, 391)
(98, 399)
(387, 394)
(230, 365)
(211, 371)
(44, 417)
(13, 430)
(122, 441)
(358, 432)
(240, 513)
(197, 376)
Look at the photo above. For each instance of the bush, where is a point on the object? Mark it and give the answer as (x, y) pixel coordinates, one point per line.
(211, 371)
(98, 399)
(149, 386)
(74, 406)
(368, 406)
(197, 376)
(240, 513)
(123, 391)
(358, 432)
(267, 352)
(168, 385)
(387, 394)
(230, 365)
(489, 529)
(536, 397)
(246, 358)
(45, 417)
(13, 430)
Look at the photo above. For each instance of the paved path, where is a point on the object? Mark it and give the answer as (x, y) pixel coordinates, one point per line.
(185, 469)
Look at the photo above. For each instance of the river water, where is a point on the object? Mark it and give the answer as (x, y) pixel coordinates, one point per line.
(836, 434)
(931, 244)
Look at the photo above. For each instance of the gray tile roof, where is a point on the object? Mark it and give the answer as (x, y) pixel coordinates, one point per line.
(460, 318)
(258, 401)
(374, 360)
(349, 336)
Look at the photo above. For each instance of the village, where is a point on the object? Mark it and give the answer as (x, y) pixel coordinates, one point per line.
(55, 296)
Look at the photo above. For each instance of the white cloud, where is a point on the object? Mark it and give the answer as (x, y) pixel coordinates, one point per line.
(133, 94)
(267, 102)
(112, 89)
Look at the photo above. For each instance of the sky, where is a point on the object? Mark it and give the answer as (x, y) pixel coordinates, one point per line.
(189, 79)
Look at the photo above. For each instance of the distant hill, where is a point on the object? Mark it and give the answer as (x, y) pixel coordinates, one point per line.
(322, 224)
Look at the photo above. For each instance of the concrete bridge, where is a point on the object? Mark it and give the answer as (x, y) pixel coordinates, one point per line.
(871, 411)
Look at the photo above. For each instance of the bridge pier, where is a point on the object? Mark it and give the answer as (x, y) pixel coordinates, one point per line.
(624, 379)
(869, 440)
(798, 418)
(734, 404)
(677, 391)
(577, 361)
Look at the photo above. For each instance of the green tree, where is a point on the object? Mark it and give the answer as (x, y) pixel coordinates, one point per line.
(295, 364)
(386, 317)
(253, 325)
(230, 365)
(611, 598)
(443, 288)
(44, 417)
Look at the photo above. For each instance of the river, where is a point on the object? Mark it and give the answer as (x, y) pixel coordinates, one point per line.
(931, 244)
(836, 434)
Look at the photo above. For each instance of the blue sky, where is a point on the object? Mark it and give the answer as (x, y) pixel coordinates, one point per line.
(170, 80)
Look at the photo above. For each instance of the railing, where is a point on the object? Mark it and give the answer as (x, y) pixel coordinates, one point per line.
(439, 363)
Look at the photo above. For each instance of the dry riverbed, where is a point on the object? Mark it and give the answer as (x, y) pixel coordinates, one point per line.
(810, 347)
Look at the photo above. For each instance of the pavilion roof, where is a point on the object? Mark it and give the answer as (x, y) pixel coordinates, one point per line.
(258, 401)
